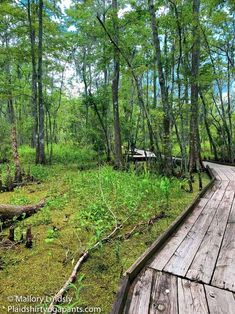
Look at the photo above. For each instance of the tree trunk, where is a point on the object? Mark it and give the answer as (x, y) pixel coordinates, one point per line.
(11, 112)
(31, 14)
(40, 154)
(115, 85)
(210, 137)
(194, 142)
(164, 92)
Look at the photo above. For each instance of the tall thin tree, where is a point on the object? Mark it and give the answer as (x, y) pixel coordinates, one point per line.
(40, 153)
(115, 85)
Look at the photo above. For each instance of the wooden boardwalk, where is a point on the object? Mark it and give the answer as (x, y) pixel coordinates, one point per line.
(194, 271)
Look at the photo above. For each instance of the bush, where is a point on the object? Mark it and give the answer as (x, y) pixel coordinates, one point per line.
(68, 154)
(84, 157)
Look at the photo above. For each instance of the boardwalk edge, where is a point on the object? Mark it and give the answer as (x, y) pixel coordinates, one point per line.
(130, 274)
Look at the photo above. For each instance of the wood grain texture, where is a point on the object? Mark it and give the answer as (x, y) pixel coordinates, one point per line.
(194, 260)
(164, 294)
(224, 275)
(220, 301)
(204, 261)
(191, 297)
(140, 297)
(231, 218)
(183, 256)
(171, 245)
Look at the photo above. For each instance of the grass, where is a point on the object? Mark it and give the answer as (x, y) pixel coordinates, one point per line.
(82, 207)
(83, 158)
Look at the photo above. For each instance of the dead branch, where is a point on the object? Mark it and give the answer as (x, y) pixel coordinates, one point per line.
(58, 296)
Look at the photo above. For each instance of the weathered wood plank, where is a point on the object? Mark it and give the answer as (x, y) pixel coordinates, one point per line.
(162, 257)
(224, 274)
(149, 253)
(119, 304)
(229, 173)
(223, 185)
(231, 218)
(134, 271)
(183, 256)
(220, 301)
(191, 298)
(164, 294)
(215, 173)
(221, 173)
(231, 186)
(211, 191)
(140, 297)
(204, 261)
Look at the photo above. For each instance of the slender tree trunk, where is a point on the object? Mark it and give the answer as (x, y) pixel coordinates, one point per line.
(11, 112)
(210, 137)
(93, 103)
(164, 92)
(115, 85)
(194, 142)
(138, 88)
(40, 154)
(31, 14)
(154, 84)
(14, 142)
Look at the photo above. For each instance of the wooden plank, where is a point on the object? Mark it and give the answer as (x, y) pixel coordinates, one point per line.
(211, 191)
(220, 301)
(134, 270)
(191, 297)
(224, 275)
(229, 173)
(119, 304)
(223, 185)
(219, 185)
(231, 218)
(162, 257)
(224, 172)
(140, 297)
(221, 173)
(215, 173)
(183, 256)
(145, 257)
(204, 261)
(164, 294)
(231, 186)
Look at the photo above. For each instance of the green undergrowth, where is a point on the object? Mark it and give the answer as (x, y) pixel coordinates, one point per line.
(82, 207)
(84, 158)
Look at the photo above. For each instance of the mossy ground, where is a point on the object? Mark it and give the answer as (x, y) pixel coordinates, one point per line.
(79, 211)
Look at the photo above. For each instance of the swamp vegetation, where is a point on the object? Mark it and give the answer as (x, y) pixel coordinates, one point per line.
(84, 85)
(80, 210)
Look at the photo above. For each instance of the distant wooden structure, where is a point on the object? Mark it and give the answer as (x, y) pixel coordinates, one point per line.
(140, 155)
(136, 155)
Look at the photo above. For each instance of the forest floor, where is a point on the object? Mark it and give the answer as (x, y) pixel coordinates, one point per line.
(80, 210)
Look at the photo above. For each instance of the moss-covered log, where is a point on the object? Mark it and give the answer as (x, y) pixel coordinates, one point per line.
(17, 212)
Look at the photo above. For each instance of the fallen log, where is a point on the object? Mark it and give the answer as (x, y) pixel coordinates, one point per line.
(8, 213)
(10, 187)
